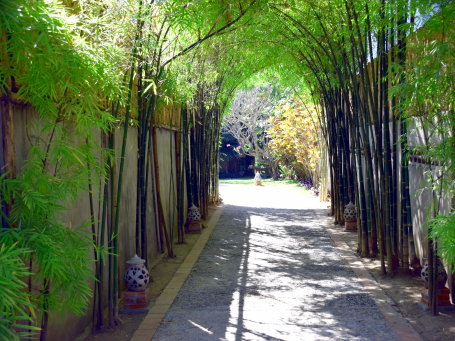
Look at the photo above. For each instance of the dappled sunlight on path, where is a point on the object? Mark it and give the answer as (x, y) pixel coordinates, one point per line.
(271, 272)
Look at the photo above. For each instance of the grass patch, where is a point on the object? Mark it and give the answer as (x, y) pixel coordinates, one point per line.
(265, 182)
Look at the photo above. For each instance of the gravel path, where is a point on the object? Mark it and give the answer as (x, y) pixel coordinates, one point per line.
(271, 272)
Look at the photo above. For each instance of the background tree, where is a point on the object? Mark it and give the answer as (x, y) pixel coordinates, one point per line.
(248, 121)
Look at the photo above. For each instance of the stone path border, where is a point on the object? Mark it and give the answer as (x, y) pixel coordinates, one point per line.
(400, 326)
(159, 308)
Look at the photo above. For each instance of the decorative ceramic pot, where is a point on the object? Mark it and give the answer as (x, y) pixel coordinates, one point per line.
(193, 214)
(136, 275)
(350, 217)
(441, 276)
(350, 212)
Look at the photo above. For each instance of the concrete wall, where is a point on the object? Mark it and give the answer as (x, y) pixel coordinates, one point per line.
(66, 326)
(420, 189)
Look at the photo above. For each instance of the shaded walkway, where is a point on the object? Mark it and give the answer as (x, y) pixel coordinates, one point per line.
(271, 272)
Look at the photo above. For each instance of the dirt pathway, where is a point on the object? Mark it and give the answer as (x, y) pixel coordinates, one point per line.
(271, 272)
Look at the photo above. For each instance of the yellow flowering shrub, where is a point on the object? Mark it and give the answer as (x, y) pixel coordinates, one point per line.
(294, 137)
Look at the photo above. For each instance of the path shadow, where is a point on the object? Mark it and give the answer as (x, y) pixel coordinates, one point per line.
(272, 274)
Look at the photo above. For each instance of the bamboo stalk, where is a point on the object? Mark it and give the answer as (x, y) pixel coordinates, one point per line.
(45, 310)
(179, 172)
(102, 231)
(95, 242)
(162, 222)
(172, 194)
(116, 196)
(9, 156)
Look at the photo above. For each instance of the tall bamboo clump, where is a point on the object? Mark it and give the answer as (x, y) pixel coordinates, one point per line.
(375, 137)
(352, 73)
(205, 126)
(360, 75)
(356, 60)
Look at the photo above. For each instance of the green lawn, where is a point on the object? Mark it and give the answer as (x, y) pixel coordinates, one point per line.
(265, 182)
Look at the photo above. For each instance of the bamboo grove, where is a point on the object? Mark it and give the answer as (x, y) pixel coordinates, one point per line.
(359, 58)
(112, 77)
(90, 76)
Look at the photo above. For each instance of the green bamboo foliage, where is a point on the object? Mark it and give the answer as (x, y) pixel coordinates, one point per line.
(55, 171)
(180, 175)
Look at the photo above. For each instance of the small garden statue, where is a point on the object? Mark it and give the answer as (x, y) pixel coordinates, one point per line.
(258, 179)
